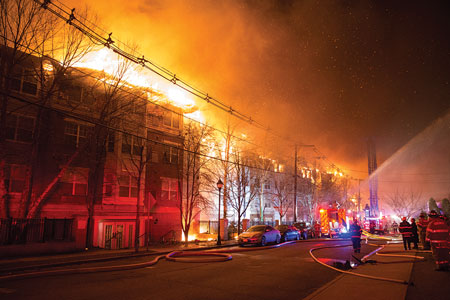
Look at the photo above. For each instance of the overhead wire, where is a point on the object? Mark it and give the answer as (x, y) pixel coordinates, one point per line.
(93, 122)
(127, 91)
(150, 65)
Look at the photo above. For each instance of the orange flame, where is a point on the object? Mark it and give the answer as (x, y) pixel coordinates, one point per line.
(107, 61)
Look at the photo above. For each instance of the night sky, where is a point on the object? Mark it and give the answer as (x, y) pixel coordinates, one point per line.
(328, 73)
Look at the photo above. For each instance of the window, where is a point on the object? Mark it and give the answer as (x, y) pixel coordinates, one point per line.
(139, 107)
(169, 189)
(19, 128)
(74, 182)
(73, 93)
(170, 155)
(128, 186)
(267, 185)
(154, 120)
(75, 134)
(23, 81)
(171, 119)
(132, 143)
(111, 141)
(108, 185)
(15, 178)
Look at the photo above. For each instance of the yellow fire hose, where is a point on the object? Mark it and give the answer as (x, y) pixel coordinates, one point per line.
(375, 237)
(365, 258)
(220, 255)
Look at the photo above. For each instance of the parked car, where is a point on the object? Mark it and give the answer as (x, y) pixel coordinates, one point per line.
(288, 233)
(259, 234)
(305, 231)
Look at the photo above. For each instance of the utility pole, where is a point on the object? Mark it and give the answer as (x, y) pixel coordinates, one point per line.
(295, 185)
(359, 199)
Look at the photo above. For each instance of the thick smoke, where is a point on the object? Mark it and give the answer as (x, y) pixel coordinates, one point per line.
(329, 73)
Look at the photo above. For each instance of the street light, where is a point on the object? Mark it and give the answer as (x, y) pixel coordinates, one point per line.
(219, 186)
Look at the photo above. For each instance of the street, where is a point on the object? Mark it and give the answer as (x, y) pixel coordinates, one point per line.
(280, 273)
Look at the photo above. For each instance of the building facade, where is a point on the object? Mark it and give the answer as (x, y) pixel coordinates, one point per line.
(91, 149)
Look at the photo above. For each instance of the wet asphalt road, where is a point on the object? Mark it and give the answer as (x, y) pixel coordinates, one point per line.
(287, 272)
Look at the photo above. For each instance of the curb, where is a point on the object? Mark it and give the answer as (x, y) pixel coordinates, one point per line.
(132, 255)
(102, 259)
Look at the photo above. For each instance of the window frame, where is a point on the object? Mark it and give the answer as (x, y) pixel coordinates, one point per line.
(17, 128)
(77, 135)
(171, 152)
(134, 143)
(20, 77)
(130, 181)
(167, 186)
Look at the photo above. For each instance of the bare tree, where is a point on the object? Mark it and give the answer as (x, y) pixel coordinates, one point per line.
(281, 193)
(229, 143)
(196, 176)
(22, 28)
(111, 97)
(134, 154)
(30, 37)
(308, 199)
(406, 204)
(243, 187)
(264, 167)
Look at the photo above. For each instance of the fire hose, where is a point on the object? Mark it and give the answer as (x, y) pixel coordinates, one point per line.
(365, 259)
(220, 255)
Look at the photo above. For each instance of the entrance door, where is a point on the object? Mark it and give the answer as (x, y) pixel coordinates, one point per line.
(130, 236)
(119, 237)
(108, 236)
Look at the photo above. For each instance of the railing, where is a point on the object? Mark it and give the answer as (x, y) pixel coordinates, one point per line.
(169, 237)
(22, 231)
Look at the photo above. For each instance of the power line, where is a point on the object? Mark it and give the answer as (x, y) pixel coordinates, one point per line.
(69, 18)
(87, 120)
(127, 91)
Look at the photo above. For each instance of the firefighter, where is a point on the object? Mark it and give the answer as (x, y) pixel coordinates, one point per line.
(415, 235)
(355, 231)
(406, 231)
(317, 230)
(395, 227)
(438, 236)
(422, 227)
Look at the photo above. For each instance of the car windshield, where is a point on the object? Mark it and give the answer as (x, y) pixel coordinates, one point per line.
(257, 228)
(282, 227)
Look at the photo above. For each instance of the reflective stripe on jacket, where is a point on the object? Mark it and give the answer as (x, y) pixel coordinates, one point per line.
(423, 224)
(355, 231)
(405, 229)
(437, 231)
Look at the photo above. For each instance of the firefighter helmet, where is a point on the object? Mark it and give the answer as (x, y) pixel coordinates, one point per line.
(433, 214)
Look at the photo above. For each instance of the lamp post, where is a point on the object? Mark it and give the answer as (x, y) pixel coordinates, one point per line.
(219, 186)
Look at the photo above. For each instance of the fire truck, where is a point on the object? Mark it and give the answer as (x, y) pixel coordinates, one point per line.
(332, 221)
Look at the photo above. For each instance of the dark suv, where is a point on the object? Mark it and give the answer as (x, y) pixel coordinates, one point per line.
(305, 231)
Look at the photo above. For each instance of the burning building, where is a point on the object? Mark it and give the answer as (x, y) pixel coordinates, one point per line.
(88, 159)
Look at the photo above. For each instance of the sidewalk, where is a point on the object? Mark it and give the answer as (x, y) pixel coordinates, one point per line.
(17, 264)
(348, 286)
(355, 287)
